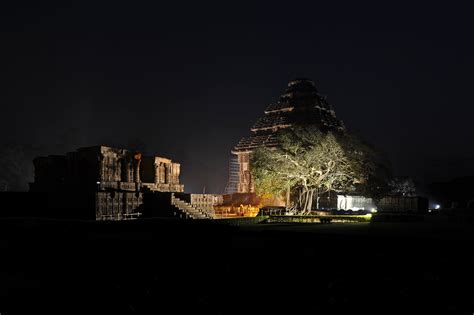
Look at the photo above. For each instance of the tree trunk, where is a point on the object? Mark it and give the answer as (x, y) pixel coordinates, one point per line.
(317, 198)
(306, 201)
(288, 197)
(299, 199)
(310, 201)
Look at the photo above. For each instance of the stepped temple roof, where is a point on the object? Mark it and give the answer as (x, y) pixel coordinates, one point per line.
(300, 104)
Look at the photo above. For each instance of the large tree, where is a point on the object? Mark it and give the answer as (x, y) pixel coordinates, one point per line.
(402, 186)
(308, 163)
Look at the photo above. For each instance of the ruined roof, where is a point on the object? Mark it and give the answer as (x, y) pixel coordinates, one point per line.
(300, 104)
(256, 140)
(271, 121)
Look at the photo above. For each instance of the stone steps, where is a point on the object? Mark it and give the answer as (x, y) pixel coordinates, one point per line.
(191, 211)
(188, 210)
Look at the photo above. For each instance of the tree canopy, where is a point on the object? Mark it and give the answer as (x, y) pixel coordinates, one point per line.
(400, 186)
(309, 162)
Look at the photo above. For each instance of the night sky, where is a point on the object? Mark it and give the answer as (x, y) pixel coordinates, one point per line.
(189, 80)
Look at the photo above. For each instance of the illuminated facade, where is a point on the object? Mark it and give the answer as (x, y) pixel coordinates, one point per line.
(116, 177)
(104, 168)
(300, 104)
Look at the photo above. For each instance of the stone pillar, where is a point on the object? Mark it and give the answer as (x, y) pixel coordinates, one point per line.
(136, 167)
(119, 169)
(167, 173)
(176, 171)
(157, 173)
(162, 173)
(136, 171)
(172, 174)
(126, 170)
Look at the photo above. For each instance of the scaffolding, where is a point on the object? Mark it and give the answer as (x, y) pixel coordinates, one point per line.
(234, 170)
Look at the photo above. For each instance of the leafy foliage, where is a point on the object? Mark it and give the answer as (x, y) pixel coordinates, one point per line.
(310, 162)
(402, 187)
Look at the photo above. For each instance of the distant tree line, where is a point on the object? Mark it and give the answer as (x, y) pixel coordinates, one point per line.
(16, 168)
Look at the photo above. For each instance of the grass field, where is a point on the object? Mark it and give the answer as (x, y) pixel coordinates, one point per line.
(154, 266)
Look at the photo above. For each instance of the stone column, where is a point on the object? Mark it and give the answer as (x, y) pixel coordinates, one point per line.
(176, 169)
(167, 173)
(172, 174)
(137, 159)
(162, 173)
(119, 169)
(136, 171)
(125, 170)
(157, 173)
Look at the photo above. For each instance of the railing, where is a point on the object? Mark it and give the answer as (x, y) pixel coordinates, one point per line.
(118, 216)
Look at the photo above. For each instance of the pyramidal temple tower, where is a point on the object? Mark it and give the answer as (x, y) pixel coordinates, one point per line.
(300, 104)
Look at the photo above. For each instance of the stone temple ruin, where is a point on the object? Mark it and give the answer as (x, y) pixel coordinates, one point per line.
(117, 182)
(105, 168)
(105, 183)
(300, 104)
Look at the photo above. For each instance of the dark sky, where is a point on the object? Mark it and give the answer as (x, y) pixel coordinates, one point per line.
(190, 80)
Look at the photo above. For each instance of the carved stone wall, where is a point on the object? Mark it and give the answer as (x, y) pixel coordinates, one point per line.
(116, 205)
(106, 168)
(161, 174)
(117, 176)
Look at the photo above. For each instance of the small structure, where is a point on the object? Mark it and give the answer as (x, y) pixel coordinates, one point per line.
(401, 204)
(354, 203)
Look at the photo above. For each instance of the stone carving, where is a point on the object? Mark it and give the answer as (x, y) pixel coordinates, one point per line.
(117, 176)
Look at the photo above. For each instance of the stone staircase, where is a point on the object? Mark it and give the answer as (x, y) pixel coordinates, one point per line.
(189, 211)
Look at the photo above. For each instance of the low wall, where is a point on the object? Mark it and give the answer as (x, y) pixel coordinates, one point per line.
(403, 204)
(319, 218)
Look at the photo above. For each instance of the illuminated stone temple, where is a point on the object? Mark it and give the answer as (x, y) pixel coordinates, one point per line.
(112, 181)
(104, 168)
(105, 183)
(300, 104)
